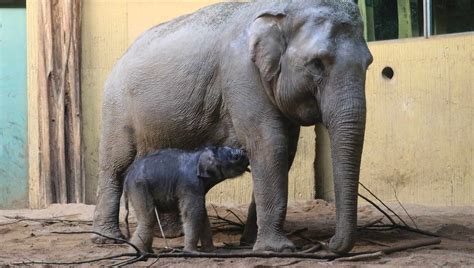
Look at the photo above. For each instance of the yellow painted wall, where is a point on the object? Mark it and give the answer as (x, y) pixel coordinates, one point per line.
(419, 134)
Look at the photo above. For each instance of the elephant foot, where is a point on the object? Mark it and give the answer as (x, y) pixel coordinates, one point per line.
(341, 245)
(111, 232)
(191, 249)
(209, 248)
(142, 249)
(273, 242)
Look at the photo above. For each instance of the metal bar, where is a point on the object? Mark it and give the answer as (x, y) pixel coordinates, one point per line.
(425, 31)
(427, 18)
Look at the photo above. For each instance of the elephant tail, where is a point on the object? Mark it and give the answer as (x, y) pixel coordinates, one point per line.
(125, 200)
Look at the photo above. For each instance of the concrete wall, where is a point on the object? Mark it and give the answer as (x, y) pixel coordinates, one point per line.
(419, 136)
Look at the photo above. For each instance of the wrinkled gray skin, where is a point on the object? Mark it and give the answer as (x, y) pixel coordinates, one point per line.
(243, 74)
(174, 180)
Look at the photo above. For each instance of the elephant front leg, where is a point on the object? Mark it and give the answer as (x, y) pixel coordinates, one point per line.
(269, 161)
(206, 235)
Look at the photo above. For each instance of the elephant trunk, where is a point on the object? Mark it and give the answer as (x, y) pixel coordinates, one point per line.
(346, 130)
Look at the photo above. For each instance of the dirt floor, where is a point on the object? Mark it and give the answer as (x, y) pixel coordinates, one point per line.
(31, 239)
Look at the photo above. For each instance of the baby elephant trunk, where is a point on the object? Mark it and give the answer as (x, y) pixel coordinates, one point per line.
(232, 162)
(240, 155)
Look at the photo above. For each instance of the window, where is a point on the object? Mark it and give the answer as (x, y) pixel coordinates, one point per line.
(12, 3)
(394, 19)
(453, 16)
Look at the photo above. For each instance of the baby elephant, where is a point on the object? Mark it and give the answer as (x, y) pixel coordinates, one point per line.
(172, 180)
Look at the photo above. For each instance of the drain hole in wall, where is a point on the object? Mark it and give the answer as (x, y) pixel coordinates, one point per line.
(388, 73)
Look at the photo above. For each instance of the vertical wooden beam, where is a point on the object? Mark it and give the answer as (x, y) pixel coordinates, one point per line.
(61, 166)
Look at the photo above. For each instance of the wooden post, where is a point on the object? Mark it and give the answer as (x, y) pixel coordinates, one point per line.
(60, 150)
(366, 8)
(404, 19)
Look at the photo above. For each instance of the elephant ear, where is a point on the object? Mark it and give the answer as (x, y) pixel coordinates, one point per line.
(208, 165)
(267, 43)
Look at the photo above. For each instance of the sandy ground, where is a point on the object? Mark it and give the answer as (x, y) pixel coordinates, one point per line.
(23, 240)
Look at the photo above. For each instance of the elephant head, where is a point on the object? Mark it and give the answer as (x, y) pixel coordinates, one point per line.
(312, 59)
(219, 163)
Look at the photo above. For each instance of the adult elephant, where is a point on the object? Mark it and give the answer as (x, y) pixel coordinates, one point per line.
(243, 75)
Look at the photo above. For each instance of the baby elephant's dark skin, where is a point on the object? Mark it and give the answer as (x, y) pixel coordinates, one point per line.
(176, 180)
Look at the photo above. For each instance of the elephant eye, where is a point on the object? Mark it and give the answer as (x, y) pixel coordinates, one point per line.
(319, 65)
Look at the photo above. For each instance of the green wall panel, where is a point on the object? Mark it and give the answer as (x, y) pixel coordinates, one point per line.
(13, 109)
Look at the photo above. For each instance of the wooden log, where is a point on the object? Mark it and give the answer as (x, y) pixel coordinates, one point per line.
(61, 165)
(366, 8)
(76, 148)
(71, 20)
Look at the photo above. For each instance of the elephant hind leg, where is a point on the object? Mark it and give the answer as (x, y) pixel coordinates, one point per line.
(144, 206)
(117, 151)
